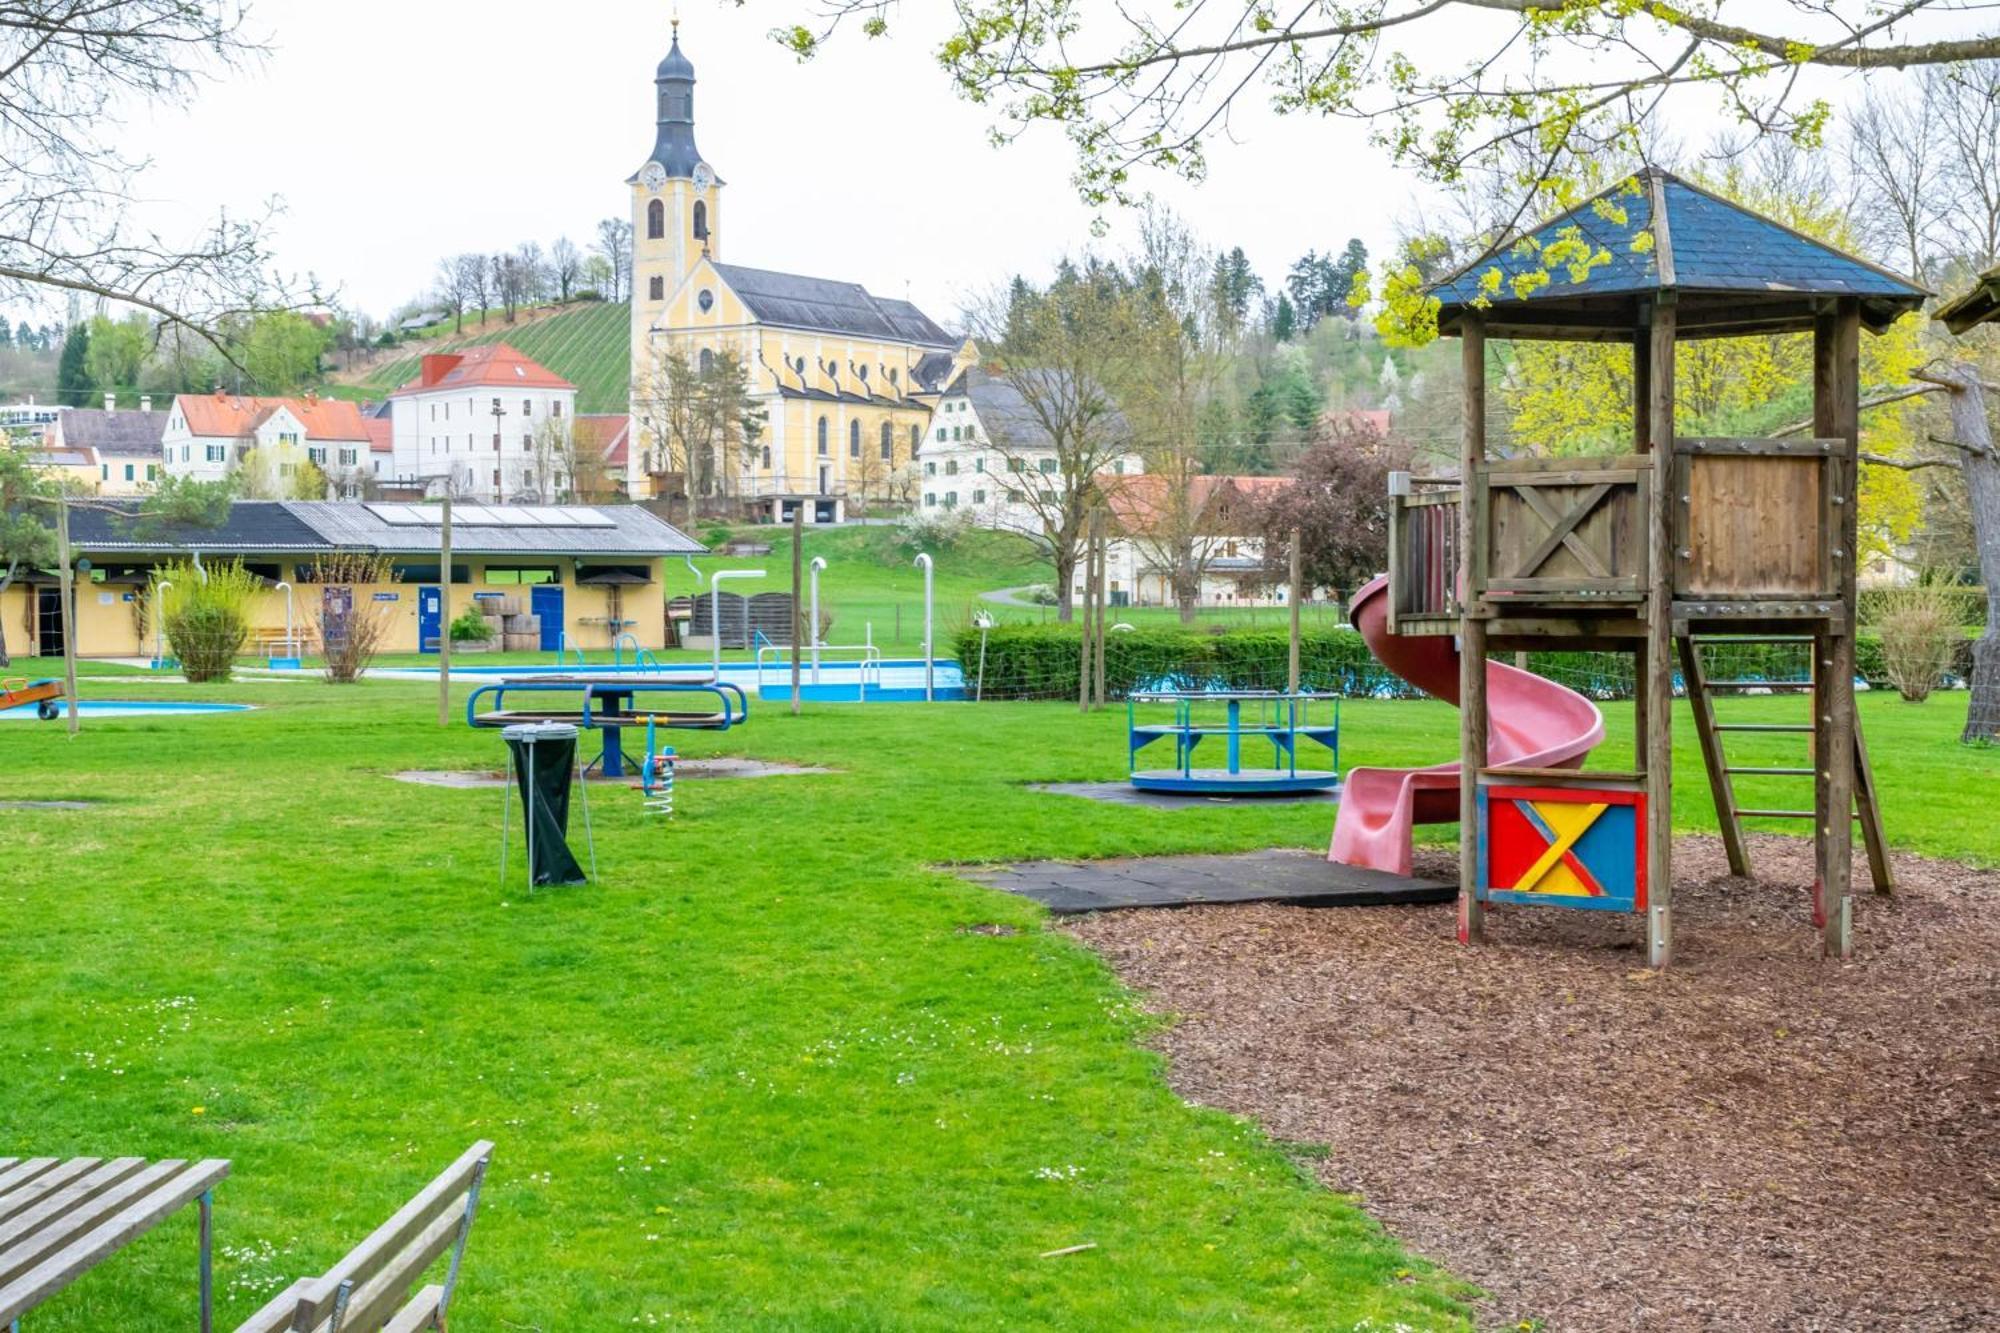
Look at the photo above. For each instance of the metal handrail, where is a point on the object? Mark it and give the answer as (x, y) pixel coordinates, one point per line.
(870, 660)
(564, 648)
(618, 647)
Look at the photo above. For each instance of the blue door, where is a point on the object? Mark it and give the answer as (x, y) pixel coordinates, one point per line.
(546, 601)
(430, 615)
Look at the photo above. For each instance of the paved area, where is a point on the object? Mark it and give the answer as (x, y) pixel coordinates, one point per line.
(685, 769)
(1124, 793)
(1304, 879)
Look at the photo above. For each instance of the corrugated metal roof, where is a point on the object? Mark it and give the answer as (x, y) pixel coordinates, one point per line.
(793, 301)
(1704, 245)
(307, 526)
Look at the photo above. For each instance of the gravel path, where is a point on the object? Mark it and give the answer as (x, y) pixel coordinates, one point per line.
(1754, 1139)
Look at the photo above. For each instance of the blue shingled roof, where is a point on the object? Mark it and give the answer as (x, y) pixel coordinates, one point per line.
(1611, 249)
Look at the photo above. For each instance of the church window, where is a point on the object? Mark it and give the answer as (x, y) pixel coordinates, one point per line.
(888, 441)
(656, 220)
(706, 361)
(854, 439)
(700, 220)
(822, 437)
(916, 435)
(656, 288)
(767, 458)
(706, 298)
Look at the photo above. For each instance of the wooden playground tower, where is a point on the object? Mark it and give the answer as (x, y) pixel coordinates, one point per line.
(1660, 550)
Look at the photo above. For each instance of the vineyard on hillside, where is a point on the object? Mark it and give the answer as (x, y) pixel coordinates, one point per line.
(590, 346)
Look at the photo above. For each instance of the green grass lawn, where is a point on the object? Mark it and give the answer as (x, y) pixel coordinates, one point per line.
(761, 1075)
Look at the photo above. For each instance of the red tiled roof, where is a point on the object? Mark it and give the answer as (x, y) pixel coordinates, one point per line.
(1139, 502)
(489, 366)
(608, 433)
(381, 439)
(235, 416)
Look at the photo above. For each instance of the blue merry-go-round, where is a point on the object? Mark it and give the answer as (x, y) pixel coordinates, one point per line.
(1230, 721)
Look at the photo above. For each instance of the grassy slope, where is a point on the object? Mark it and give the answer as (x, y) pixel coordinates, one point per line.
(591, 346)
(758, 1076)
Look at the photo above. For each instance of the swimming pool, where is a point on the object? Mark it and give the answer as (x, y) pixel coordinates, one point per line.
(891, 680)
(122, 708)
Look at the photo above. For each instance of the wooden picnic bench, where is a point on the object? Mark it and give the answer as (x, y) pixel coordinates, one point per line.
(61, 1218)
(374, 1288)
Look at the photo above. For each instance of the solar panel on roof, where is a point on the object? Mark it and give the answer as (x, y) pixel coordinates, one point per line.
(583, 516)
(401, 515)
(478, 515)
(550, 515)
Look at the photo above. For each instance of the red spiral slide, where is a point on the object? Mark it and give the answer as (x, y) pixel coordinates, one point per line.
(1532, 723)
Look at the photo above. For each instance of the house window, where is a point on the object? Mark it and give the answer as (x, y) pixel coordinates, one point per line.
(104, 472)
(152, 472)
(1017, 465)
(930, 467)
(318, 455)
(854, 439)
(971, 431)
(979, 497)
(822, 437)
(656, 220)
(1048, 466)
(215, 454)
(951, 467)
(978, 465)
(951, 499)
(940, 434)
(888, 442)
(954, 432)
(656, 288)
(1014, 497)
(288, 469)
(347, 457)
(555, 408)
(930, 500)
(700, 221)
(434, 411)
(527, 407)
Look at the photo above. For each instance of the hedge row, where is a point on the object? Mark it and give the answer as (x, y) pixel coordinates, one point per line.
(1040, 662)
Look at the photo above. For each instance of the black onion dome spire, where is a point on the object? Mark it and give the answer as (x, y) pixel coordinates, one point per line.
(674, 148)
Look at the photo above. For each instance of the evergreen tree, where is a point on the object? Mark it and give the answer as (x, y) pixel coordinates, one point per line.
(1232, 288)
(1352, 263)
(1285, 320)
(72, 370)
(6, 332)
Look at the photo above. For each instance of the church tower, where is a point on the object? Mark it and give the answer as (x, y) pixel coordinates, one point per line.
(676, 219)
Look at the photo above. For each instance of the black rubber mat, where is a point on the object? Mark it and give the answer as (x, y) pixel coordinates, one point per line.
(1304, 878)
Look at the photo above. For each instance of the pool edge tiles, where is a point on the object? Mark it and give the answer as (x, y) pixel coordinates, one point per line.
(126, 708)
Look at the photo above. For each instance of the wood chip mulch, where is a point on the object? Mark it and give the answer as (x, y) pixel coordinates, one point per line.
(1752, 1139)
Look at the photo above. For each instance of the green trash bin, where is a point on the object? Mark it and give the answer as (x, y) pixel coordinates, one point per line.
(542, 764)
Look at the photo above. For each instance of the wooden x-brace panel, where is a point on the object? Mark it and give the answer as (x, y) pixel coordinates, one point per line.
(1562, 530)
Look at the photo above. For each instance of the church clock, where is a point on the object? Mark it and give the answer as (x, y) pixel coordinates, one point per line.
(653, 175)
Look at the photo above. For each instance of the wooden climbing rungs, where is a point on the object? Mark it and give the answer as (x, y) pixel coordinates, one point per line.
(1722, 774)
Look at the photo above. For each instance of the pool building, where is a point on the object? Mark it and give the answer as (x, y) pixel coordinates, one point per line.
(588, 572)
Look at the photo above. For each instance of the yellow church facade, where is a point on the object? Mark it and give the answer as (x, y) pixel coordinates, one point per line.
(846, 380)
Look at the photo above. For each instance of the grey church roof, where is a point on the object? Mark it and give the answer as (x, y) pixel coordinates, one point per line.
(127, 432)
(933, 371)
(1734, 271)
(820, 305)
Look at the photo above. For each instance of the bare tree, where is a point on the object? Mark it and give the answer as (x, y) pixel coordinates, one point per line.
(71, 74)
(1967, 98)
(565, 267)
(1048, 408)
(552, 449)
(698, 417)
(614, 243)
(454, 289)
(477, 275)
(505, 274)
(533, 272)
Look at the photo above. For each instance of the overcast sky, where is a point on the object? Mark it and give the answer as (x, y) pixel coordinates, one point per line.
(397, 132)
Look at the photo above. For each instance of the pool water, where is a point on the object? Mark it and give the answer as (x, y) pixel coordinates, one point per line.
(121, 708)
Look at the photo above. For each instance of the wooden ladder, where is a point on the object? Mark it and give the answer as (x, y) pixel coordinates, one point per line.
(1722, 774)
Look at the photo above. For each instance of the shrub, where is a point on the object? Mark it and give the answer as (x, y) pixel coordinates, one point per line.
(715, 538)
(350, 629)
(206, 614)
(470, 627)
(937, 531)
(1918, 627)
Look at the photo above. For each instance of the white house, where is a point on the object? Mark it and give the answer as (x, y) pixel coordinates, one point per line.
(209, 436)
(986, 453)
(1213, 534)
(485, 423)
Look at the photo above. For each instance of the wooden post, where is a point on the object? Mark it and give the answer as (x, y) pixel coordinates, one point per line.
(66, 592)
(1103, 576)
(1642, 392)
(1292, 666)
(444, 614)
(1081, 610)
(798, 567)
(1837, 415)
(1471, 629)
(1657, 744)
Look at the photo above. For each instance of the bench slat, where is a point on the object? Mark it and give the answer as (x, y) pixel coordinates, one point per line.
(23, 1170)
(140, 1214)
(420, 1313)
(33, 1191)
(387, 1244)
(66, 1195)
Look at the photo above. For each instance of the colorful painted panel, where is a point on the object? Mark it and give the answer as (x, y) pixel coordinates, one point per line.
(1571, 846)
